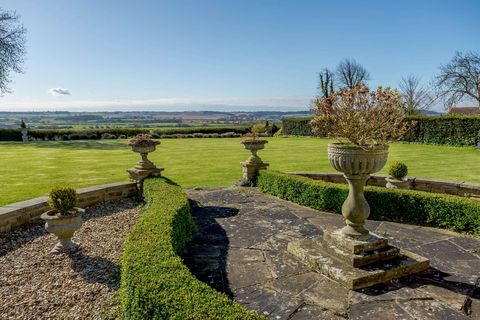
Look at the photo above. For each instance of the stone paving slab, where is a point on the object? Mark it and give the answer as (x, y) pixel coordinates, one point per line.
(241, 249)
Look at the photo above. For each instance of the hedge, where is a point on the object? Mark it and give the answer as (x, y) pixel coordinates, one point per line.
(409, 206)
(454, 130)
(155, 284)
(76, 134)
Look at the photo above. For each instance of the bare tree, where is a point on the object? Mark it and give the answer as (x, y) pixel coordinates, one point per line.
(416, 97)
(459, 79)
(12, 47)
(351, 74)
(325, 83)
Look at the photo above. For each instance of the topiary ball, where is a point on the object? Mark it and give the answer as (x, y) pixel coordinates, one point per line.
(398, 170)
(63, 199)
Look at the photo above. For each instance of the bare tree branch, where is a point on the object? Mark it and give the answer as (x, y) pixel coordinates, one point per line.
(416, 98)
(459, 79)
(351, 74)
(12, 47)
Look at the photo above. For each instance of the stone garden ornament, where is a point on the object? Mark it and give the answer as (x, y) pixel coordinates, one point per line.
(64, 218)
(143, 144)
(254, 163)
(24, 131)
(364, 121)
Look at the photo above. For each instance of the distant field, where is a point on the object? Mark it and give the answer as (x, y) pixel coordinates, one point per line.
(29, 171)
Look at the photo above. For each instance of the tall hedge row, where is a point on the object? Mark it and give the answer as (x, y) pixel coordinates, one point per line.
(155, 284)
(45, 134)
(449, 130)
(417, 207)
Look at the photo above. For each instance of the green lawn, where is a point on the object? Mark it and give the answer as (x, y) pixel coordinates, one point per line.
(29, 171)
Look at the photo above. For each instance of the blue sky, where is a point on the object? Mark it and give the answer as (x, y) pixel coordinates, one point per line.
(246, 54)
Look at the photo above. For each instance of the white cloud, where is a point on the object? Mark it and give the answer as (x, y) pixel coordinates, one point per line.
(59, 92)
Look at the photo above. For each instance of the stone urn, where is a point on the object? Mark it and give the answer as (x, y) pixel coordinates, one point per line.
(393, 183)
(356, 163)
(24, 132)
(254, 145)
(63, 226)
(144, 148)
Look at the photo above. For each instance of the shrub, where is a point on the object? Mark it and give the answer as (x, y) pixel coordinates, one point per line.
(108, 136)
(398, 170)
(361, 116)
(455, 130)
(63, 199)
(155, 284)
(417, 207)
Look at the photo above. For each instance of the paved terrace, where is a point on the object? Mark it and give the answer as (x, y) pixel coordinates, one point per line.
(240, 249)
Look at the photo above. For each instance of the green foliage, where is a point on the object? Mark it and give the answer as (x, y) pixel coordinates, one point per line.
(155, 284)
(398, 170)
(23, 125)
(63, 199)
(422, 208)
(10, 135)
(449, 130)
(84, 134)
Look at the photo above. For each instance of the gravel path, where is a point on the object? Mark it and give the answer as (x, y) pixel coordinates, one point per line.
(38, 285)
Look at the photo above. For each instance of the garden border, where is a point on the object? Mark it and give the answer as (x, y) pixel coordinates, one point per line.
(155, 283)
(406, 206)
(17, 214)
(462, 189)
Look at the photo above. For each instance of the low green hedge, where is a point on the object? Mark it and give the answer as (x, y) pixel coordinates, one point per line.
(155, 284)
(83, 134)
(417, 207)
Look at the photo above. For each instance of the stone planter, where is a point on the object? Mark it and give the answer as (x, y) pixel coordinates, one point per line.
(144, 150)
(253, 164)
(356, 164)
(397, 184)
(24, 132)
(63, 226)
(254, 145)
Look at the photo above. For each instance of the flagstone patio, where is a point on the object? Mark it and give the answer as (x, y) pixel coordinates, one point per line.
(241, 249)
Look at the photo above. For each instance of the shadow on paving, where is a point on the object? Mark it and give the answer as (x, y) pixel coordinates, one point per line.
(205, 255)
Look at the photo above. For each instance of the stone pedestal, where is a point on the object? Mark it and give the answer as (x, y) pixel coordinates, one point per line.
(139, 174)
(356, 263)
(250, 171)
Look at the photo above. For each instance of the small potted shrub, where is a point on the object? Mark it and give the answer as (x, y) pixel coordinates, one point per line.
(397, 173)
(64, 218)
(364, 121)
(253, 144)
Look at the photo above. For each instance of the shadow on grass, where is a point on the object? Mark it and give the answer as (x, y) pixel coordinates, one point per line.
(206, 254)
(71, 145)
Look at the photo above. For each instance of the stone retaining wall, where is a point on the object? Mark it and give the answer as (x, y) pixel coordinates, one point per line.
(16, 214)
(462, 189)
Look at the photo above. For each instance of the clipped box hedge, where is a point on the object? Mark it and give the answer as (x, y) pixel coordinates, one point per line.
(155, 284)
(455, 130)
(416, 207)
(77, 134)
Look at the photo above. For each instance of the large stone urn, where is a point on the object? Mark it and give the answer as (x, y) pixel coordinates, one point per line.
(144, 149)
(144, 167)
(356, 164)
(63, 226)
(253, 164)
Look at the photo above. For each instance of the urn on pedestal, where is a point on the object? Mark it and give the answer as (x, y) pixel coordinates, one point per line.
(143, 144)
